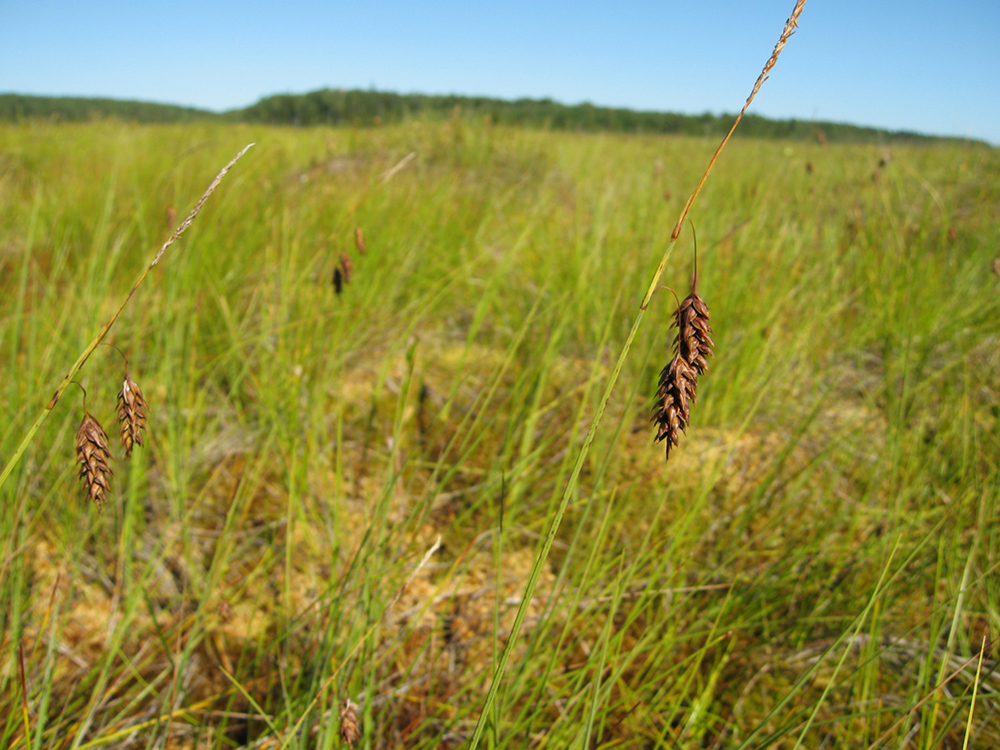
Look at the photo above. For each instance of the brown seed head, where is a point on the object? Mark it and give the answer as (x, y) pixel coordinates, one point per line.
(359, 241)
(94, 457)
(347, 265)
(678, 383)
(132, 411)
(350, 732)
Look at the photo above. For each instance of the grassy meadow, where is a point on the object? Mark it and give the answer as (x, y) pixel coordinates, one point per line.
(340, 496)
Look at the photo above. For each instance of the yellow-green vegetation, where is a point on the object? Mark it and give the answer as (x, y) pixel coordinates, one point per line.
(339, 496)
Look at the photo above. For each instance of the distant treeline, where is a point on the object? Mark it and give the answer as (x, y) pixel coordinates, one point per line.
(18, 107)
(358, 107)
(370, 108)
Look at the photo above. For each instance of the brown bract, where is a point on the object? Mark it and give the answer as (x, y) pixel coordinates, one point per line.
(132, 410)
(94, 457)
(678, 383)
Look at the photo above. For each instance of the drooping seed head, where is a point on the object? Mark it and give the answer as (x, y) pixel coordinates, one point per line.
(678, 383)
(347, 265)
(132, 412)
(94, 458)
(350, 732)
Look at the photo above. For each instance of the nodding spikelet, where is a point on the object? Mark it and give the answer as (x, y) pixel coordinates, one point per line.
(342, 273)
(694, 332)
(347, 265)
(350, 732)
(132, 411)
(359, 241)
(94, 457)
(678, 383)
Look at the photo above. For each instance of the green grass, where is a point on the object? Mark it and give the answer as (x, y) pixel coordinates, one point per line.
(818, 556)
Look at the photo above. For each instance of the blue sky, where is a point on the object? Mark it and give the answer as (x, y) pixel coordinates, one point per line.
(933, 67)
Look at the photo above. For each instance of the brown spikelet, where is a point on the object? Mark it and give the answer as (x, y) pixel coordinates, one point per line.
(350, 732)
(94, 457)
(132, 411)
(347, 265)
(678, 383)
(694, 332)
(359, 241)
(342, 273)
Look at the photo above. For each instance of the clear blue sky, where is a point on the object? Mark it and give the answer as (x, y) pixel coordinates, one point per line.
(929, 66)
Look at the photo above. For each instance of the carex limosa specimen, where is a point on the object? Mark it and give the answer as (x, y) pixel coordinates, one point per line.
(678, 383)
(132, 411)
(93, 456)
(487, 714)
(103, 332)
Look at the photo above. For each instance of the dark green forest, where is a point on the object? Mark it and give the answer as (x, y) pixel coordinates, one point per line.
(20, 107)
(363, 108)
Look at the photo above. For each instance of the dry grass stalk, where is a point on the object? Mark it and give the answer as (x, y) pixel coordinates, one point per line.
(359, 241)
(94, 457)
(132, 411)
(790, 25)
(996, 266)
(350, 731)
(678, 383)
